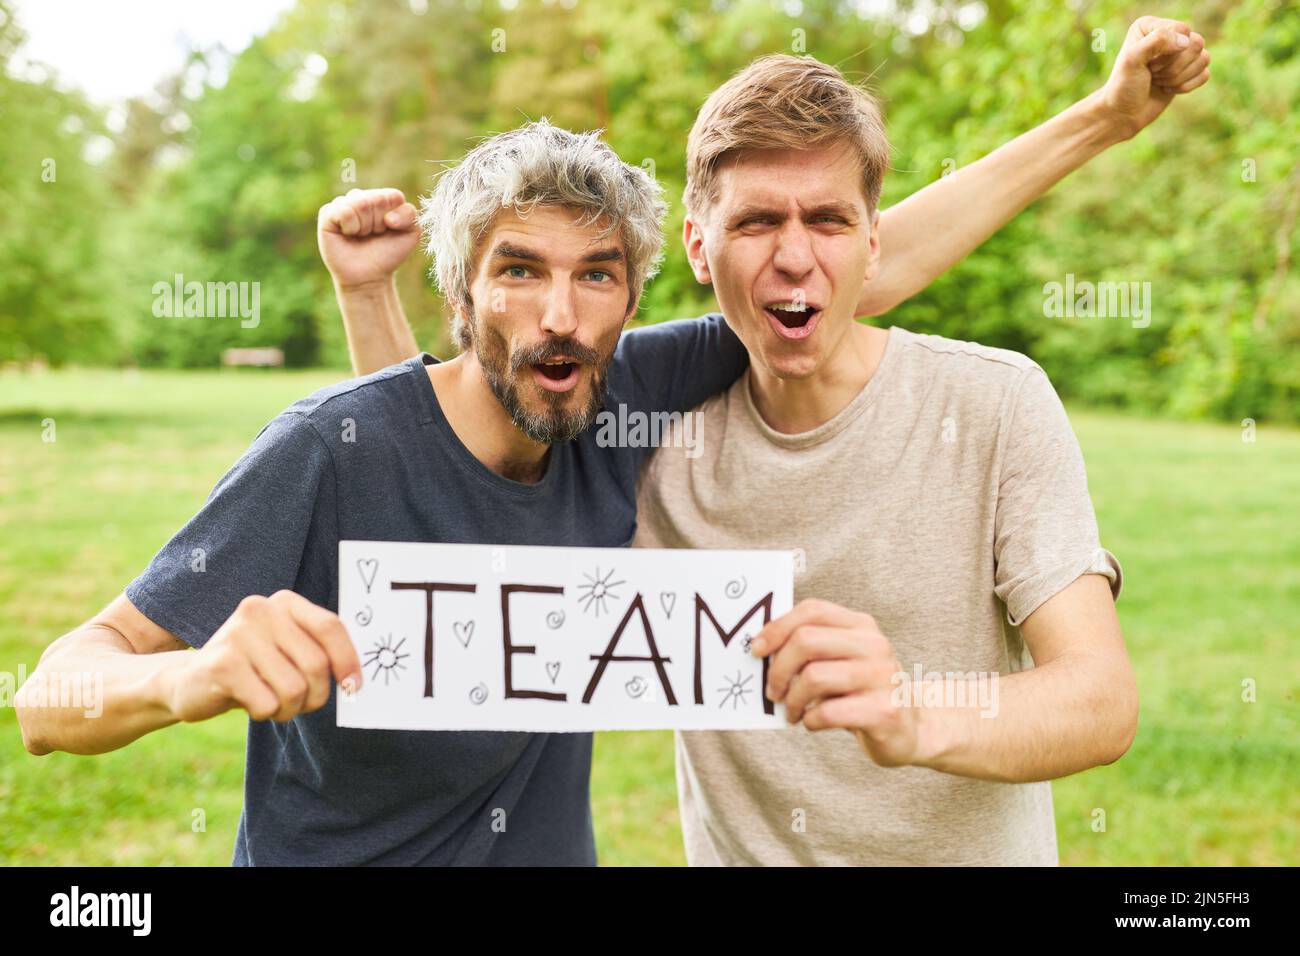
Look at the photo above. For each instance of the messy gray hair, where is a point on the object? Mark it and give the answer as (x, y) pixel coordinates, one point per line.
(538, 164)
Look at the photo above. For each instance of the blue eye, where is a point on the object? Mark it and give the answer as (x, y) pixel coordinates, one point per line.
(600, 272)
(517, 272)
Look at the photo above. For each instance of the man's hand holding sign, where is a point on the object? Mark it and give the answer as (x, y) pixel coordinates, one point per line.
(834, 668)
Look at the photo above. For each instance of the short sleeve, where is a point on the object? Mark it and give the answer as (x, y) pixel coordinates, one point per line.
(250, 536)
(674, 366)
(1045, 533)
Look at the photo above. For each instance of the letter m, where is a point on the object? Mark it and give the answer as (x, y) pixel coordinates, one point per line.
(701, 610)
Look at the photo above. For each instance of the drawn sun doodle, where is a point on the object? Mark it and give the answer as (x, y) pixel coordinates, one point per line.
(597, 591)
(387, 658)
(735, 691)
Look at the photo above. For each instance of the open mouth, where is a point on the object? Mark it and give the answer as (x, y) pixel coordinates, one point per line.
(792, 320)
(558, 374)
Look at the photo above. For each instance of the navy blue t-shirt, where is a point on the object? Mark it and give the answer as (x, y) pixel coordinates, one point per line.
(374, 458)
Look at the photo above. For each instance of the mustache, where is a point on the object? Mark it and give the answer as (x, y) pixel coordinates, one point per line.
(551, 349)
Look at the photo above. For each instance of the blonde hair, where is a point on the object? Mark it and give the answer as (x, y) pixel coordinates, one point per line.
(784, 102)
(538, 164)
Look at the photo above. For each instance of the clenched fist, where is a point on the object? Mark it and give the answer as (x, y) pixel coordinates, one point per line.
(273, 657)
(365, 235)
(1159, 60)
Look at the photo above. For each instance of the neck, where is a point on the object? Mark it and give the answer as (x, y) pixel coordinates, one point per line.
(481, 423)
(794, 405)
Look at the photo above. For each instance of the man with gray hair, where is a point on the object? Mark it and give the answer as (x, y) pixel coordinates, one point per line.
(543, 241)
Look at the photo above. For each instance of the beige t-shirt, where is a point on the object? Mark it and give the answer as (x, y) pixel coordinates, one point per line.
(949, 501)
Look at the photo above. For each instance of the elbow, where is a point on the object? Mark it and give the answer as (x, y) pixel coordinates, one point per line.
(32, 742)
(1126, 726)
(32, 714)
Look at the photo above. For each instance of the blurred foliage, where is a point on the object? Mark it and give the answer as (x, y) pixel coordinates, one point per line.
(219, 173)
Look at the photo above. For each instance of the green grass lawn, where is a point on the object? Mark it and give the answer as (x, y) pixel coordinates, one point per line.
(1204, 524)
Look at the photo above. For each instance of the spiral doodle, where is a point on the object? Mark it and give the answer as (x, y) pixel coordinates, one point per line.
(555, 620)
(735, 589)
(478, 694)
(365, 616)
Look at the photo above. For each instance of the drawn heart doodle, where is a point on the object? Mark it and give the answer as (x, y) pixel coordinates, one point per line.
(365, 616)
(367, 567)
(464, 631)
(553, 670)
(668, 601)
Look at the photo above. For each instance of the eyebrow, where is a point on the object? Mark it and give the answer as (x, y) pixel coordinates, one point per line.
(506, 250)
(610, 254)
(837, 207)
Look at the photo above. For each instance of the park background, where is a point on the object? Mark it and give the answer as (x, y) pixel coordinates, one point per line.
(1187, 425)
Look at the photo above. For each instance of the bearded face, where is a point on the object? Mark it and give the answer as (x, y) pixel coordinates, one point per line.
(552, 389)
(546, 308)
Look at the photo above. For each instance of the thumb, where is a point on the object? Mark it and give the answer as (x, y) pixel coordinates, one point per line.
(1158, 43)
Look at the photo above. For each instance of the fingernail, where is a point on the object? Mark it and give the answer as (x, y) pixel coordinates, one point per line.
(757, 646)
(1182, 40)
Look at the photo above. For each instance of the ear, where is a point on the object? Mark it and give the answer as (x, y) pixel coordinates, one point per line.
(693, 240)
(465, 316)
(873, 263)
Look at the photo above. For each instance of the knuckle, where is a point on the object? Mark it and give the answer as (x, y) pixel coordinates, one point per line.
(254, 605)
(261, 709)
(316, 663)
(295, 687)
(879, 672)
(817, 675)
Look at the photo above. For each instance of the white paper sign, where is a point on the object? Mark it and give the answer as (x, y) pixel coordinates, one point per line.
(482, 637)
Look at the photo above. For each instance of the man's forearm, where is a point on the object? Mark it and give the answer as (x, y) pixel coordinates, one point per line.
(90, 694)
(1067, 715)
(377, 330)
(935, 228)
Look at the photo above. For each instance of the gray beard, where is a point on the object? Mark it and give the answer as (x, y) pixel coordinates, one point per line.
(549, 426)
